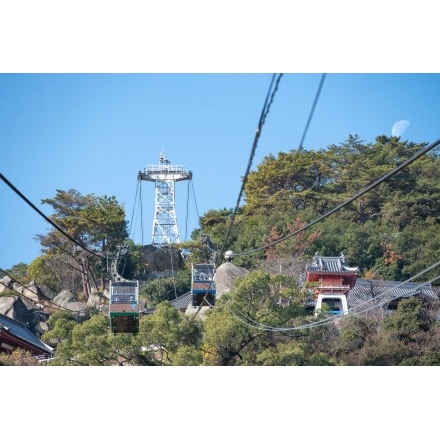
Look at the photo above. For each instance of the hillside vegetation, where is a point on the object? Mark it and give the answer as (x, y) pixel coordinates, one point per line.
(390, 232)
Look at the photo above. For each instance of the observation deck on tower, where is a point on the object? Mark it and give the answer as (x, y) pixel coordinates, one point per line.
(165, 175)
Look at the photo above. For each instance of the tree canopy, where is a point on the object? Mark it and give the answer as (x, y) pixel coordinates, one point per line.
(95, 225)
(391, 232)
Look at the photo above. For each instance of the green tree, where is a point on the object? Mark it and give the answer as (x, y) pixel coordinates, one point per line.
(170, 337)
(61, 324)
(353, 334)
(41, 271)
(166, 289)
(91, 344)
(383, 349)
(18, 358)
(293, 353)
(216, 226)
(287, 184)
(19, 272)
(243, 321)
(410, 317)
(419, 247)
(428, 359)
(96, 224)
(408, 333)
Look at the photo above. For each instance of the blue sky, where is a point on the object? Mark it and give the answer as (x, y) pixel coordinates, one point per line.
(90, 95)
(95, 132)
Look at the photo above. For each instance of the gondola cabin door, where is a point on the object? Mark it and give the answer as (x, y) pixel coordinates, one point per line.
(202, 285)
(124, 306)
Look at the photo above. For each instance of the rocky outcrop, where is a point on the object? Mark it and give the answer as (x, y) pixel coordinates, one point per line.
(32, 304)
(5, 284)
(225, 277)
(30, 291)
(24, 310)
(67, 300)
(47, 292)
(157, 260)
(29, 305)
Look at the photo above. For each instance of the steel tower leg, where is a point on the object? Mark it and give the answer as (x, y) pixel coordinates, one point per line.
(165, 230)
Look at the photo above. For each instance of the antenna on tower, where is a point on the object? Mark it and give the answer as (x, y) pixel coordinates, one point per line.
(164, 175)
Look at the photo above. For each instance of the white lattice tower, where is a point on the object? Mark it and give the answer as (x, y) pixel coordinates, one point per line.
(164, 175)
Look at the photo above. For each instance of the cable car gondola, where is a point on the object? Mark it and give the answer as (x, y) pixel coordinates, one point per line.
(124, 302)
(202, 285)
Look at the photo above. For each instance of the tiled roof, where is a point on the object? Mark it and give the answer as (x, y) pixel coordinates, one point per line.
(182, 301)
(370, 293)
(329, 264)
(179, 303)
(20, 331)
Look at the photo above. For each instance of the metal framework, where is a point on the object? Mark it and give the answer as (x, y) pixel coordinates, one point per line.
(164, 175)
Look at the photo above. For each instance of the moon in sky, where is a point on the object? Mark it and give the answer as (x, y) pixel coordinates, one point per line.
(399, 128)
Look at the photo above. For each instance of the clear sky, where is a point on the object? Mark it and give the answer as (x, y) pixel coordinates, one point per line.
(87, 100)
(95, 132)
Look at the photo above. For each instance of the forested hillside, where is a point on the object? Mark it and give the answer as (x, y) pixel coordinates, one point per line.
(391, 232)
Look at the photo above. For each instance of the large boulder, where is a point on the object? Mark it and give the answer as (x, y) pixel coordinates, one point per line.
(225, 277)
(30, 291)
(5, 284)
(160, 259)
(47, 292)
(26, 311)
(8, 307)
(67, 301)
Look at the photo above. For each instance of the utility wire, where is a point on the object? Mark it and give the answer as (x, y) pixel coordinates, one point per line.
(267, 104)
(353, 310)
(247, 320)
(321, 83)
(189, 192)
(134, 209)
(399, 285)
(348, 201)
(46, 303)
(194, 199)
(47, 218)
(264, 113)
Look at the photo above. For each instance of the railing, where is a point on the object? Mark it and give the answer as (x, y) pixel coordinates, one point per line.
(334, 287)
(123, 298)
(44, 357)
(164, 168)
